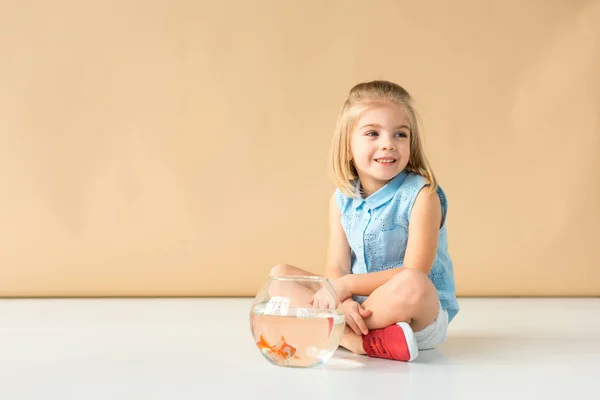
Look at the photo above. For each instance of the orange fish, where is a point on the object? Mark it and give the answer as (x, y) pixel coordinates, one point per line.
(279, 352)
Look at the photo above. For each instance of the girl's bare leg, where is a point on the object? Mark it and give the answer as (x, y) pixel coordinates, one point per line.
(286, 269)
(297, 291)
(409, 296)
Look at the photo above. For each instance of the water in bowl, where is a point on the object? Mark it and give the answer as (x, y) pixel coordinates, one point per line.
(296, 337)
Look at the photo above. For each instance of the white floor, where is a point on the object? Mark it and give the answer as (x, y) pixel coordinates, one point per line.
(202, 349)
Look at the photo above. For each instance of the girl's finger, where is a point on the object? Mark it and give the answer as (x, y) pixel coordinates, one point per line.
(353, 325)
(323, 304)
(364, 312)
(360, 323)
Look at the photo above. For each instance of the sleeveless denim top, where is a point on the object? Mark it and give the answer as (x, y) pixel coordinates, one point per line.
(377, 232)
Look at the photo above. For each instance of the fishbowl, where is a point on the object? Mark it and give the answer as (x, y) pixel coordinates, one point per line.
(295, 321)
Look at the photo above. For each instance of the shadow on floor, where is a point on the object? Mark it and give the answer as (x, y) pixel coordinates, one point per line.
(482, 350)
(504, 349)
(468, 348)
(455, 349)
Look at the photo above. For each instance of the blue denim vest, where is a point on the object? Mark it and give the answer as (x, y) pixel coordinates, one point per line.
(377, 232)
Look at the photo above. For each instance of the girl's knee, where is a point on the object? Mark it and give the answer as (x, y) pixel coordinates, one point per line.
(286, 269)
(411, 287)
(280, 270)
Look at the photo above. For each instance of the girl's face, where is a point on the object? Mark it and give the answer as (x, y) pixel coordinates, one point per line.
(380, 145)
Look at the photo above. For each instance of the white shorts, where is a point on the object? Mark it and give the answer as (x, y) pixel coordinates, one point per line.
(434, 334)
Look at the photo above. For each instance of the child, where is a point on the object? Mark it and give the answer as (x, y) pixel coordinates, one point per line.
(388, 254)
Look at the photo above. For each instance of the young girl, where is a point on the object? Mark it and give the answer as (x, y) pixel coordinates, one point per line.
(388, 254)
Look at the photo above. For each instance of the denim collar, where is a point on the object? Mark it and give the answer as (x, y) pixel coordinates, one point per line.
(381, 196)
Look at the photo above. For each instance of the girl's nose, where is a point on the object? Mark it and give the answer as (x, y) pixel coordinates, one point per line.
(386, 145)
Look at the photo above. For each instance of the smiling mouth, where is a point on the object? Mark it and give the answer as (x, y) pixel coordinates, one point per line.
(385, 160)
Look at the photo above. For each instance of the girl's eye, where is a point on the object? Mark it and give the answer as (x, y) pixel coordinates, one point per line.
(401, 134)
(371, 133)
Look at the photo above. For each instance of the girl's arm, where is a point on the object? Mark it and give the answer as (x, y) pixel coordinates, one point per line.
(338, 250)
(423, 232)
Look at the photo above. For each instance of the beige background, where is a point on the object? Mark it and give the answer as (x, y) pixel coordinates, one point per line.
(179, 147)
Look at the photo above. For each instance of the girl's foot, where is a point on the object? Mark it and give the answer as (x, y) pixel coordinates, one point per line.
(352, 341)
(396, 342)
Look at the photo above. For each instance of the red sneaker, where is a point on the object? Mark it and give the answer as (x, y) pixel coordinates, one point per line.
(396, 342)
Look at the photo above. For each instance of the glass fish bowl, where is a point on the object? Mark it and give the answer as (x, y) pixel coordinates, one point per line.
(291, 330)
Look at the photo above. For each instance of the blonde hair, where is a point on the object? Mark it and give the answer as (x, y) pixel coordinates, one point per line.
(341, 167)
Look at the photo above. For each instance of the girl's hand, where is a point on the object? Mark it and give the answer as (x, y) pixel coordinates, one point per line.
(355, 314)
(322, 298)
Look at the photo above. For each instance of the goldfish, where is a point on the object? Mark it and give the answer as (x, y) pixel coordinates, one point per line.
(281, 351)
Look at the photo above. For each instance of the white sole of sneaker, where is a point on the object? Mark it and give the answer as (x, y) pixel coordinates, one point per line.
(411, 340)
